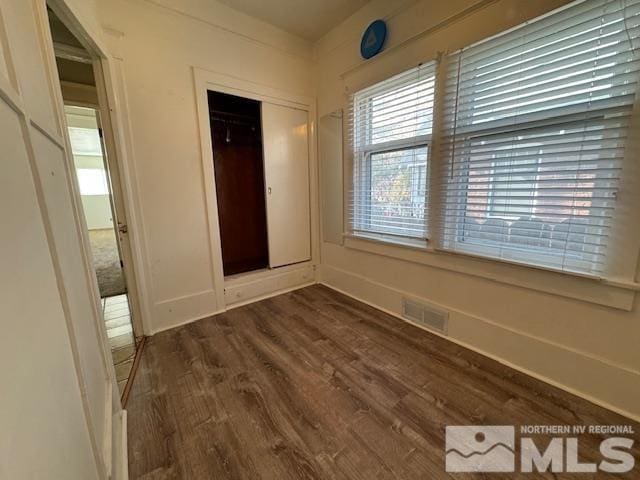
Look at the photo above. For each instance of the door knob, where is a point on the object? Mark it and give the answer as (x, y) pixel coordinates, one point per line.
(269, 190)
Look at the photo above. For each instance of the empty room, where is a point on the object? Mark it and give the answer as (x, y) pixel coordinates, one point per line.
(320, 239)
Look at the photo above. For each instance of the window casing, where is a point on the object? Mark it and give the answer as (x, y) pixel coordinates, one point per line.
(391, 136)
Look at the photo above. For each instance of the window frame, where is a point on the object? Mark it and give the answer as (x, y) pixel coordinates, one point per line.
(362, 163)
(615, 273)
(365, 191)
(526, 256)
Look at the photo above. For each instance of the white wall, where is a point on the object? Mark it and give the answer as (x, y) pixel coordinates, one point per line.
(97, 211)
(583, 346)
(96, 202)
(97, 208)
(158, 55)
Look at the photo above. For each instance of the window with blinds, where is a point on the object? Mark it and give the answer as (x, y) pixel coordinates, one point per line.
(391, 126)
(533, 136)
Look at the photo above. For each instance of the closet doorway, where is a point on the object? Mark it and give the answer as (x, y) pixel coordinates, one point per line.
(236, 136)
(261, 170)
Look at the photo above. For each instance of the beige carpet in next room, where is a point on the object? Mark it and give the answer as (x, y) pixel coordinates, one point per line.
(106, 261)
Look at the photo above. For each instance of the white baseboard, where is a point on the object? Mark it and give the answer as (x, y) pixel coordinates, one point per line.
(121, 456)
(271, 294)
(611, 386)
(242, 290)
(178, 311)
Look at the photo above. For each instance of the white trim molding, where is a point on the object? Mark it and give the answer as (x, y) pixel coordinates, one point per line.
(121, 462)
(607, 293)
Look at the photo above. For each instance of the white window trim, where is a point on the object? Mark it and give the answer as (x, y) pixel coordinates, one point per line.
(428, 140)
(612, 293)
(382, 239)
(360, 155)
(363, 157)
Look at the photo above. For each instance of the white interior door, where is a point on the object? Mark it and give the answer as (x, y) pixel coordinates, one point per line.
(285, 136)
(56, 412)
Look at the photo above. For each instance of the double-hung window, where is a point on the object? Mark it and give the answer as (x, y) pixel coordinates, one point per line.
(391, 137)
(534, 130)
(535, 123)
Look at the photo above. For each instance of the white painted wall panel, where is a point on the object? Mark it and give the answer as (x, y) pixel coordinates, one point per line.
(43, 432)
(330, 142)
(20, 23)
(56, 194)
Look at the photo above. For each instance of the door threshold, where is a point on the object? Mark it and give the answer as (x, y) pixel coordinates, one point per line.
(132, 374)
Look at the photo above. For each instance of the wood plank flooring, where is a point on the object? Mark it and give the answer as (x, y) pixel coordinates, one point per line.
(315, 385)
(117, 317)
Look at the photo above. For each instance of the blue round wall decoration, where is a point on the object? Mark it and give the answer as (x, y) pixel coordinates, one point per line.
(373, 39)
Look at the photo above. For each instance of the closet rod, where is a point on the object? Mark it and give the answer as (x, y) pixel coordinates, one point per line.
(213, 111)
(234, 122)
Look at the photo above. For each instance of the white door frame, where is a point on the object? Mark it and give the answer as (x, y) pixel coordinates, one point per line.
(118, 198)
(112, 108)
(205, 80)
(116, 202)
(110, 450)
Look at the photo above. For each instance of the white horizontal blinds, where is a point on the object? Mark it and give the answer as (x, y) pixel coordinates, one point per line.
(396, 109)
(392, 198)
(390, 131)
(534, 130)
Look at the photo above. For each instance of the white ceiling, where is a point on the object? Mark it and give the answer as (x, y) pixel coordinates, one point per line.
(309, 19)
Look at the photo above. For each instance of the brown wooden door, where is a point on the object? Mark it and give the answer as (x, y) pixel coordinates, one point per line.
(239, 171)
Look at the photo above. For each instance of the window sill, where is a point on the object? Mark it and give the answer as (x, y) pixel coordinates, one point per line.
(381, 239)
(609, 293)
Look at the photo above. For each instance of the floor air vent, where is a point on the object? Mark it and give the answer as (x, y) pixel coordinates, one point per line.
(429, 317)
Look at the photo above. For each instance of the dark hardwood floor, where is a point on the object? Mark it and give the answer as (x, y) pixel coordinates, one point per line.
(312, 384)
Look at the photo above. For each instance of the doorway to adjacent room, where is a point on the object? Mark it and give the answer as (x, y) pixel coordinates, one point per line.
(101, 196)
